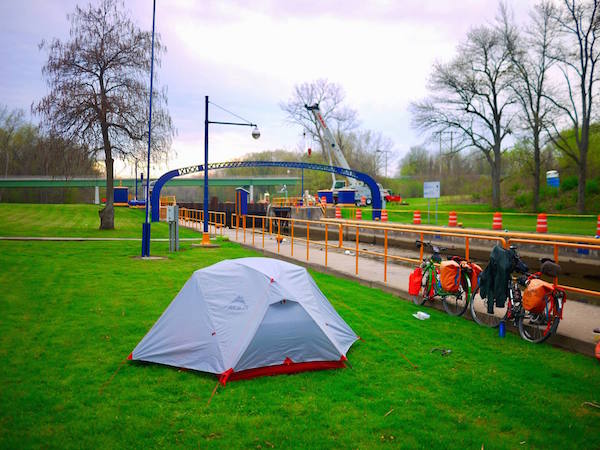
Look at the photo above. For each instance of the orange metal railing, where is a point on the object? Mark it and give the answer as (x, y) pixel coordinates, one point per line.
(194, 218)
(287, 227)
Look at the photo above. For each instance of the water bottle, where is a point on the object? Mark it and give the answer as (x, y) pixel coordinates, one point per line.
(502, 329)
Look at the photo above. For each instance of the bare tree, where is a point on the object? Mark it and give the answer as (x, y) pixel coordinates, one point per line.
(577, 55)
(330, 97)
(530, 53)
(471, 95)
(364, 149)
(10, 122)
(98, 82)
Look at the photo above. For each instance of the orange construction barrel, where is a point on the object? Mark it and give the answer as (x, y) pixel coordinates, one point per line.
(338, 212)
(358, 214)
(497, 223)
(452, 222)
(417, 217)
(598, 226)
(542, 224)
(384, 217)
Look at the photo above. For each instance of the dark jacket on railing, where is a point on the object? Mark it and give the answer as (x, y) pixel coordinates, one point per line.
(493, 281)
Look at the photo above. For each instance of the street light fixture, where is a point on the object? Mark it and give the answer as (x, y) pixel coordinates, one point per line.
(255, 135)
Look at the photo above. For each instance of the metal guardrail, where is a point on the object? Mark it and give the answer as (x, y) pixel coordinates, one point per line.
(216, 219)
(261, 226)
(555, 241)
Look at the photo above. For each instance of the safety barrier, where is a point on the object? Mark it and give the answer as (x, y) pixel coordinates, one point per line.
(555, 241)
(286, 201)
(286, 227)
(252, 226)
(194, 219)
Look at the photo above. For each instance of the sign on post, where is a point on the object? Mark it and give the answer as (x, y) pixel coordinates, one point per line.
(431, 189)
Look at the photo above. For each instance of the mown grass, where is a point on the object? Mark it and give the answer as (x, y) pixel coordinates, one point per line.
(72, 311)
(75, 220)
(481, 216)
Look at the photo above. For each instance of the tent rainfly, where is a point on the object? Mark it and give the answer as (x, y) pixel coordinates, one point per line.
(248, 317)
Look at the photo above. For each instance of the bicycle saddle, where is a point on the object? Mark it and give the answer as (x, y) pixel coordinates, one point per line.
(549, 267)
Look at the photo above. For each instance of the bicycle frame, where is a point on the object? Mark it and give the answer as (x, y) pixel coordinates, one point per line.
(431, 271)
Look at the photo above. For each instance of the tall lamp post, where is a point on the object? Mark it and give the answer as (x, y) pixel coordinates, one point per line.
(255, 135)
(146, 225)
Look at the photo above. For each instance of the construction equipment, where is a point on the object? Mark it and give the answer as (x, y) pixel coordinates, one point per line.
(334, 154)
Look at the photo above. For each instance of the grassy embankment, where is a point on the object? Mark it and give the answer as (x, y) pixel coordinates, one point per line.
(72, 311)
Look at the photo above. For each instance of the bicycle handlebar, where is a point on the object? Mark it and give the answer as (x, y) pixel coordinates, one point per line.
(434, 248)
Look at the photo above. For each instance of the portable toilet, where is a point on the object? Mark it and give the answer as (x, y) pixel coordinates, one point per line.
(346, 196)
(552, 178)
(121, 196)
(328, 194)
(241, 201)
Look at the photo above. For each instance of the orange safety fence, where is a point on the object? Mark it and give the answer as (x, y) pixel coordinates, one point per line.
(194, 219)
(285, 227)
(286, 201)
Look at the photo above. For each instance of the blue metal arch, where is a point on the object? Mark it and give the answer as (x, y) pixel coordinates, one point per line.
(370, 182)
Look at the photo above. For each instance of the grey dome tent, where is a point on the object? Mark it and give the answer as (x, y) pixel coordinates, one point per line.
(248, 317)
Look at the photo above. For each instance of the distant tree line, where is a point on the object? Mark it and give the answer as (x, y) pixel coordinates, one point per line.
(523, 85)
(25, 149)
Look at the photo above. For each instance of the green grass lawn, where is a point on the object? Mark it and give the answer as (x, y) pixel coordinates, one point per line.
(72, 311)
(75, 221)
(480, 216)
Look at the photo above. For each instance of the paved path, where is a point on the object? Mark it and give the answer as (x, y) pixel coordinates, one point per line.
(575, 330)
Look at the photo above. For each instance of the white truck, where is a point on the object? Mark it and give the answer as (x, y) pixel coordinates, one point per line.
(334, 154)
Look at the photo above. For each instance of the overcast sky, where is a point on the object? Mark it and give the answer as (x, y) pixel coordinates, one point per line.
(248, 55)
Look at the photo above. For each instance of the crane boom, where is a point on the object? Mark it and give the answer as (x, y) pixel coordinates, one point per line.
(361, 191)
(333, 149)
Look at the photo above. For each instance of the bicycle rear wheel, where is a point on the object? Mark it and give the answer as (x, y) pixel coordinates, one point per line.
(455, 304)
(480, 314)
(536, 328)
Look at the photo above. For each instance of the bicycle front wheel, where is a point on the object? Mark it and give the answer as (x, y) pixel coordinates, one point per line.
(481, 314)
(455, 304)
(536, 328)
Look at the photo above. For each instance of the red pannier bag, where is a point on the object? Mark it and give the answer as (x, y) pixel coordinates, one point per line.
(475, 271)
(534, 294)
(450, 276)
(414, 281)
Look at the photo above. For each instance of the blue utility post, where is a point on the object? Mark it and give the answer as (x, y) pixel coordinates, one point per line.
(205, 234)
(146, 225)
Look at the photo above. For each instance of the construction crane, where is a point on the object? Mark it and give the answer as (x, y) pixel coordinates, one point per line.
(334, 154)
